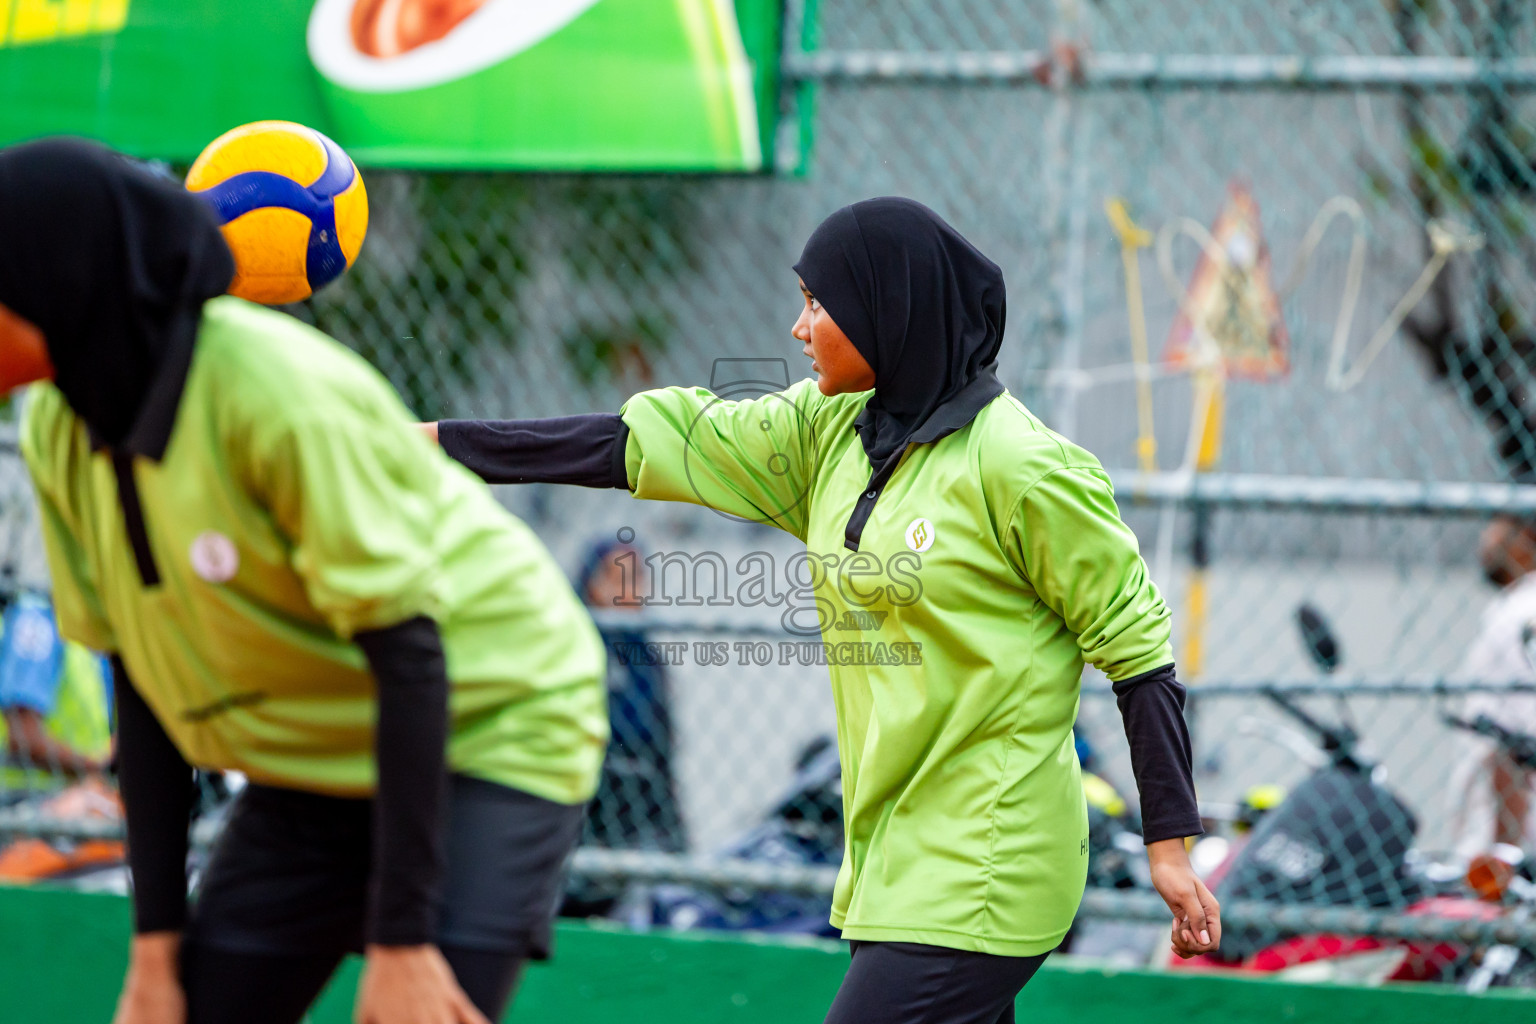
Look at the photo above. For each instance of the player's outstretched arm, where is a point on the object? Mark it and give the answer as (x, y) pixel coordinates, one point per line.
(586, 450)
(751, 458)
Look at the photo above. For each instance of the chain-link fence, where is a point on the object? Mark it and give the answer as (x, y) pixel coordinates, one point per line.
(1301, 342)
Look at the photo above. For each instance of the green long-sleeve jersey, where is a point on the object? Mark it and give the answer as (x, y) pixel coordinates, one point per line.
(993, 565)
(294, 506)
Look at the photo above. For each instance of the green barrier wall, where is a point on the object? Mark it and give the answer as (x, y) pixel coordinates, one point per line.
(62, 956)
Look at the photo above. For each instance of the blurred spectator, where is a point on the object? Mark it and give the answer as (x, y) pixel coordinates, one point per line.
(1495, 795)
(54, 699)
(635, 807)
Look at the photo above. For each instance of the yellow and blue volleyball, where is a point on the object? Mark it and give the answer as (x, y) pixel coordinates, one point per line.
(292, 206)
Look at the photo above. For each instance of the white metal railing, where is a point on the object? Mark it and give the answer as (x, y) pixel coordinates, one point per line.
(1146, 70)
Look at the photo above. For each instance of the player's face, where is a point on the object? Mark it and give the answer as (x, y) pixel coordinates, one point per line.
(618, 584)
(1507, 551)
(23, 354)
(838, 366)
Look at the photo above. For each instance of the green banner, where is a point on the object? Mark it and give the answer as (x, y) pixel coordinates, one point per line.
(638, 85)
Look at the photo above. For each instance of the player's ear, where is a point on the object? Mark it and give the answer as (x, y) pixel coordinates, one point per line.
(23, 352)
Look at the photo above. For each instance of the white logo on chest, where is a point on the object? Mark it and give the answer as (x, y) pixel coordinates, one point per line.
(214, 557)
(920, 535)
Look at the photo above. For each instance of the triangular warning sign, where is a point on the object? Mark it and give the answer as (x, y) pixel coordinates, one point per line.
(1236, 307)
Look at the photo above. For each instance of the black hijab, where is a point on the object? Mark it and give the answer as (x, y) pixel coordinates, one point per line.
(113, 264)
(924, 307)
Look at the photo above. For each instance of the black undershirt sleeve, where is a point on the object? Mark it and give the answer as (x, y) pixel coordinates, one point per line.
(1152, 707)
(157, 791)
(410, 745)
(587, 450)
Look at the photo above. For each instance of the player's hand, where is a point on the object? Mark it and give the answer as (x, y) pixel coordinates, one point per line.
(152, 991)
(411, 985)
(430, 429)
(1196, 914)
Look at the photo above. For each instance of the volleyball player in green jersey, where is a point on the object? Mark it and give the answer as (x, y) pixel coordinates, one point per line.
(293, 585)
(54, 701)
(932, 499)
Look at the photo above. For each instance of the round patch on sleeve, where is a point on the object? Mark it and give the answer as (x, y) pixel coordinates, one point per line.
(214, 557)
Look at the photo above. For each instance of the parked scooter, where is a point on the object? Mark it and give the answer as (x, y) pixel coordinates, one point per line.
(1341, 838)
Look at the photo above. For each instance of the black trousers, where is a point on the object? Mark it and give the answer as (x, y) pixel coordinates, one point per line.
(908, 983)
(286, 894)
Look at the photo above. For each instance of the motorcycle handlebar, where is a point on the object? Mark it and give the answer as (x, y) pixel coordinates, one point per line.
(1521, 747)
(1338, 742)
